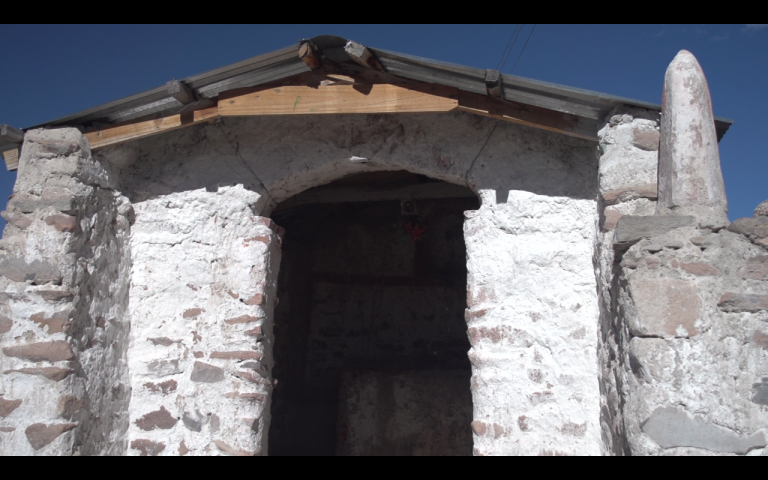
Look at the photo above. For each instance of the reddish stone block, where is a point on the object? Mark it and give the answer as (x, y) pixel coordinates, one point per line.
(148, 448)
(164, 341)
(44, 351)
(56, 324)
(161, 419)
(63, 223)
(51, 373)
(164, 387)
(237, 355)
(17, 219)
(701, 269)
(479, 428)
(233, 451)
(191, 312)
(625, 194)
(736, 302)
(756, 268)
(257, 299)
(5, 324)
(8, 406)
(611, 219)
(40, 435)
(69, 406)
(242, 319)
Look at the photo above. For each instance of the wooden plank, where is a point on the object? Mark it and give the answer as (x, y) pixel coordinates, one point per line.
(380, 98)
(123, 133)
(11, 158)
(528, 115)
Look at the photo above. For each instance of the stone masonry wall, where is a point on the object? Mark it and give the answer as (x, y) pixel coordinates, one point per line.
(202, 297)
(693, 306)
(63, 300)
(628, 153)
(684, 300)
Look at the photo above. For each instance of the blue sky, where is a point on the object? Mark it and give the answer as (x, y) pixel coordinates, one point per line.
(51, 71)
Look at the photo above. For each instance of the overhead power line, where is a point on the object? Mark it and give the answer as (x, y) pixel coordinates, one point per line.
(510, 46)
(523, 50)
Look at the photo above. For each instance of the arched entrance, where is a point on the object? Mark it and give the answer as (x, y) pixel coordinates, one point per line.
(370, 339)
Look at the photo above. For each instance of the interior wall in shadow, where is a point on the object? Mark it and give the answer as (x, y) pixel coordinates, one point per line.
(371, 344)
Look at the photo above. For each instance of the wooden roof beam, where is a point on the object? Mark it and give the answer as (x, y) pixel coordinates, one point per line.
(529, 115)
(339, 99)
(10, 142)
(132, 131)
(11, 158)
(309, 55)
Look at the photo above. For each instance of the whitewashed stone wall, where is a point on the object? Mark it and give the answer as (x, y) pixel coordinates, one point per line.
(202, 296)
(530, 247)
(532, 324)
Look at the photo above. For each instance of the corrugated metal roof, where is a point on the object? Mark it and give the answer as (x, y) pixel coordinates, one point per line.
(285, 63)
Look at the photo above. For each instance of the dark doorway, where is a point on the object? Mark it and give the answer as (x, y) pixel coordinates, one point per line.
(370, 339)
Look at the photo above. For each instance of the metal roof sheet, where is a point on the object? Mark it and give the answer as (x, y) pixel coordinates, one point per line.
(285, 63)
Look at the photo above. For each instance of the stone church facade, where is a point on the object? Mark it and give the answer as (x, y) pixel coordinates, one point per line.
(333, 249)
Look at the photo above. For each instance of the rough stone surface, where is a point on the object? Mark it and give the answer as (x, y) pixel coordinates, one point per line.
(629, 160)
(205, 373)
(36, 271)
(760, 396)
(161, 419)
(65, 293)
(5, 325)
(40, 435)
(8, 406)
(16, 219)
(147, 448)
(762, 210)
(41, 352)
(755, 229)
(393, 415)
(666, 308)
(736, 302)
(631, 229)
(713, 372)
(51, 373)
(756, 268)
(625, 194)
(673, 427)
(62, 223)
(690, 178)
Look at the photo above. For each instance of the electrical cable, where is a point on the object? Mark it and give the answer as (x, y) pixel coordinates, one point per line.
(523, 50)
(508, 49)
